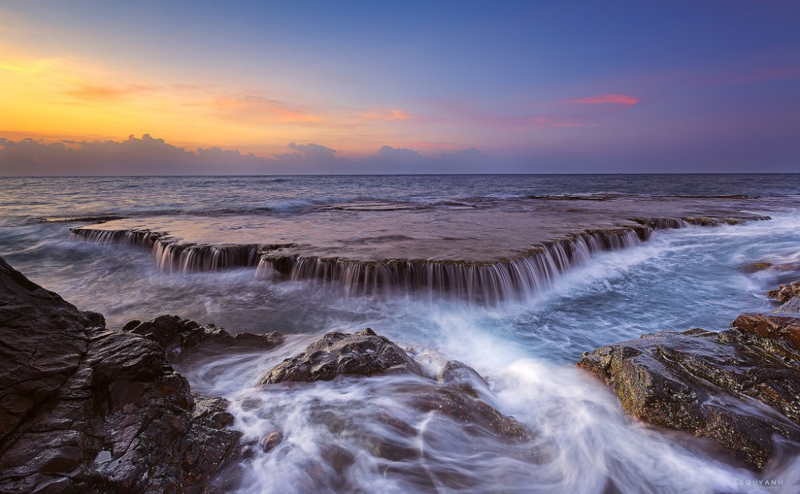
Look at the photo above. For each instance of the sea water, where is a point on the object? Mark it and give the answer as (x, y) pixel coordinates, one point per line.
(364, 434)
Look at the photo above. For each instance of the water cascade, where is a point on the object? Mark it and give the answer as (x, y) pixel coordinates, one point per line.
(487, 282)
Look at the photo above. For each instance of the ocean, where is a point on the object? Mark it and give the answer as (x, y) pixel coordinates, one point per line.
(522, 330)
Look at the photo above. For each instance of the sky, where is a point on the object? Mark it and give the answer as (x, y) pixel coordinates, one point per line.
(173, 87)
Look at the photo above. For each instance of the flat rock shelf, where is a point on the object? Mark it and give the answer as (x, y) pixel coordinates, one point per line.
(486, 251)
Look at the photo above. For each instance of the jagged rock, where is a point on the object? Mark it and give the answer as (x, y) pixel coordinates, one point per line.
(32, 369)
(87, 409)
(212, 411)
(363, 353)
(178, 336)
(788, 296)
(214, 445)
(739, 387)
(784, 293)
(781, 334)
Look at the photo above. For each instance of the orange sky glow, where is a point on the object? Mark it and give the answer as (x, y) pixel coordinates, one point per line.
(61, 98)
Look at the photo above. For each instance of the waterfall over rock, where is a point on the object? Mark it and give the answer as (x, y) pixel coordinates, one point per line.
(481, 281)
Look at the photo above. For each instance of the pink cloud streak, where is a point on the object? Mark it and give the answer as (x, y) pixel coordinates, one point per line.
(603, 99)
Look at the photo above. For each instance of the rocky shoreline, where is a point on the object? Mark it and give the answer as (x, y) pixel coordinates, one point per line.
(739, 387)
(89, 409)
(86, 408)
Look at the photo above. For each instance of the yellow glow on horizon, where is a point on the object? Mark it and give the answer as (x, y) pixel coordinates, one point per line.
(66, 97)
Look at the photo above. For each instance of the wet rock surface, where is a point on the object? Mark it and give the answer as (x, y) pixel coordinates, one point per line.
(740, 387)
(363, 353)
(88, 409)
(788, 295)
(458, 392)
(463, 258)
(183, 337)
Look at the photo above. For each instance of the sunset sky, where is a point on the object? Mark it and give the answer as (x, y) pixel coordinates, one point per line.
(260, 87)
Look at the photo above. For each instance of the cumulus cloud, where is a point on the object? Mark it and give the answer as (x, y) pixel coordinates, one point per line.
(147, 155)
(389, 153)
(311, 151)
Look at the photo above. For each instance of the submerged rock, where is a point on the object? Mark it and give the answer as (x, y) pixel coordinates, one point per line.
(739, 387)
(459, 392)
(466, 408)
(178, 336)
(363, 353)
(754, 267)
(792, 306)
(766, 264)
(271, 440)
(87, 409)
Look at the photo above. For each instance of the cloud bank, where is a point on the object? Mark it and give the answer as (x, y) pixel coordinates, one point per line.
(147, 155)
(653, 149)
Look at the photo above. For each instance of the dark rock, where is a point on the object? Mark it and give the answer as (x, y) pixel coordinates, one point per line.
(181, 336)
(739, 387)
(32, 367)
(466, 408)
(214, 445)
(463, 377)
(715, 221)
(86, 409)
(459, 393)
(212, 411)
(363, 353)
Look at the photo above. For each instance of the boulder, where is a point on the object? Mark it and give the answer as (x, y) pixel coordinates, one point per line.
(740, 387)
(458, 392)
(182, 337)
(459, 375)
(363, 353)
(466, 408)
(87, 409)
